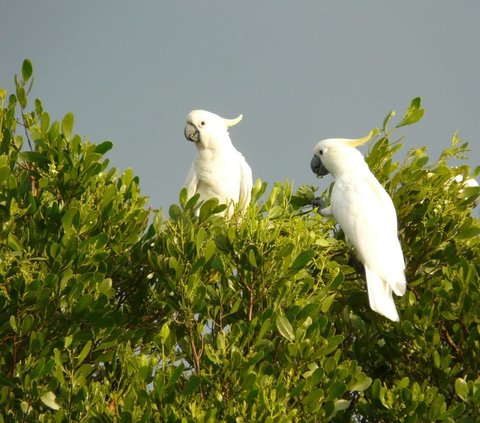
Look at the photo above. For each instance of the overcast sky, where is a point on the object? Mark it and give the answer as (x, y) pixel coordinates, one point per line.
(299, 71)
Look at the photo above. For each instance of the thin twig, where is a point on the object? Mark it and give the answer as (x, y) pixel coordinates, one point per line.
(450, 342)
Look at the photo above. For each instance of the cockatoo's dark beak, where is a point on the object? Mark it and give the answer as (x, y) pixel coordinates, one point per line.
(317, 167)
(191, 133)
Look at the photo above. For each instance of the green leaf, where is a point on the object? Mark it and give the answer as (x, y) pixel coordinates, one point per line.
(200, 238)
(413, 114)
(285, 327)
(210, 249)
(297, 390)
(275, 212)
(317, 376)
(375, 389)
(22, 97)
(302, 259)
(469, 232)
(83, 354)
(164, 332)
(434, 412)
(285, 251)
(461, 388)
(67, 341)
(4, 172)
(44, 122)
(27, 70)
(38, 107)
(68, 219)
(387, 120)
(182, 197)
(223, 243)
(337, 281)
(252, 258)
(174, 212)
(191, 385)
(207, 208)
(264, 328)
(103, 147)
(105, 287)
(327, 302)
(27, 324)
(38, 370)
(258, 189)
(192, 201)
(49, 399)
(341, 404)
(14, 243)
(34, 157)
(362, 384)
(334, 341)
(67, 125)
(108, 195)
(80, 376)
(13, 323)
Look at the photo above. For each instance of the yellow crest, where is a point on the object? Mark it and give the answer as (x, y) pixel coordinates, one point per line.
(232, 122)
(360, 141)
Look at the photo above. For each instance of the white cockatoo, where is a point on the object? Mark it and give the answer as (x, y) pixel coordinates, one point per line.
(219, 169)
(367, 216)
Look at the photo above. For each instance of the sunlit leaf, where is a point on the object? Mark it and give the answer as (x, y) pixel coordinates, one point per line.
(461, 389)
(50, 400)
(341, 404)
(285, 327)
(67, 125)
(413, 114)
(83, 354)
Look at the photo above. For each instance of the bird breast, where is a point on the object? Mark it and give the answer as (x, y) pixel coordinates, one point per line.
(218, 176)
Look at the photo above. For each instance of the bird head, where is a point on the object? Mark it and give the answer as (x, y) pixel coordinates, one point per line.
(207, 129)
(335, 155)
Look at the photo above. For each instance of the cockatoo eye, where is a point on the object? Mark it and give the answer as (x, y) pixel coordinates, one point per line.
(321, 152)
(202, 123)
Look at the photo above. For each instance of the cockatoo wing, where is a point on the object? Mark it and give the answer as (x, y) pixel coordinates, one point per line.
(366, 213)
(246, 184)
(191, 183)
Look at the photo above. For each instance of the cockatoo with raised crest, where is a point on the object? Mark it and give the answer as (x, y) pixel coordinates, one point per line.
(219, 169)
(367, 216)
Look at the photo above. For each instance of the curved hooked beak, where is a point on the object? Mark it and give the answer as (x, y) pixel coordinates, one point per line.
(191, 133)
(317, 166)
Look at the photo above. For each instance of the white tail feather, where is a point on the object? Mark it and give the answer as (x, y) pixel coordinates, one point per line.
(380, 296)
(399, 285)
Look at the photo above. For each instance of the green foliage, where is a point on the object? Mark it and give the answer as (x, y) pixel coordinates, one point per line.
(262, 317)
(70, 229)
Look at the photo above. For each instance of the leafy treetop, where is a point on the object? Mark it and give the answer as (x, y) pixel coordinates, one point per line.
(110, 312)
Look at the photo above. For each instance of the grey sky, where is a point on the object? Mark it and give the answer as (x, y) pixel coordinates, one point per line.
(299, 71)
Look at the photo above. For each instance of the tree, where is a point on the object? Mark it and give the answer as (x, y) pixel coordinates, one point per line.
(110, 312)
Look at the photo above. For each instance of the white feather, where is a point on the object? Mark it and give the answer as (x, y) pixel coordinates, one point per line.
(219, 169)
(380, 296)
(367, 215)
